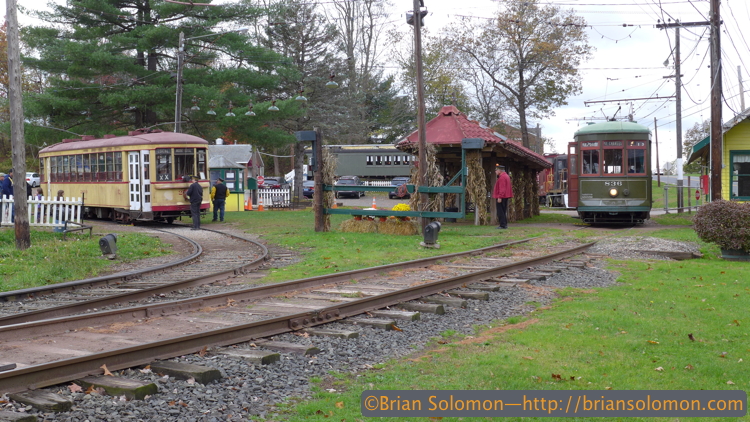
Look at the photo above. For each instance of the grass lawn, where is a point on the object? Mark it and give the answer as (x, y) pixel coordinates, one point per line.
(50, 260)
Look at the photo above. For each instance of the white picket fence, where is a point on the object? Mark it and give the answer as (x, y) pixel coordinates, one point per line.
(274, 198)
(45, 212)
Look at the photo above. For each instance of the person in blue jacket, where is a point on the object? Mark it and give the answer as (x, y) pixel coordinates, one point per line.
(195, 194)
(7, 190)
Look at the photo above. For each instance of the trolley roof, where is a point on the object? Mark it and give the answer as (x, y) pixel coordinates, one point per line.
(612, 127)
(156, 138)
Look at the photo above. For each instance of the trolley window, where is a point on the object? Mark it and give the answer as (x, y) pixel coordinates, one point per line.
(66, 168)
(164, 164)
(636, 157)
(118, 166)
(590, 158)
(202, 168)
(612, 163)
(740, 175)
(184, 162)
(79, 168)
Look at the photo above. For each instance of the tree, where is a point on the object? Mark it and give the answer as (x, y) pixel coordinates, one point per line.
(111, 66)
(531, 53)
(695, 134)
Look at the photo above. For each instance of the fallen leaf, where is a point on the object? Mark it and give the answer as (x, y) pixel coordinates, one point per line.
(190, 381)
(723, 355)
(556, 377)
(145, 370)
(90, 389)
(340, 404)
(607, 388)
(396, 328)
(730, 382)
(659, 369)
(331, 390)
(528, 358)
(689, 367)
(75, 388)
(106, 371)
(203, 351)
(653, 342)
(436, 418)
(690, 336)
(737, 323)
(183, 404)
(172, 403)
(123, 398)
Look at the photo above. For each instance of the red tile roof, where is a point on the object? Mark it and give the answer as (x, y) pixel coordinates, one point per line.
(450, 126)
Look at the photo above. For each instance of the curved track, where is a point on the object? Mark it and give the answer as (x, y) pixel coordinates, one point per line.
(216, 256)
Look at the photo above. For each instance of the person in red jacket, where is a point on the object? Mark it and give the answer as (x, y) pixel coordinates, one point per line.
(502, 192)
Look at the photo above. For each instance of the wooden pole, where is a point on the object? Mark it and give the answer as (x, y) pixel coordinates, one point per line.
(318, 175)
(422, 180)
(18, 147)
(716, 132)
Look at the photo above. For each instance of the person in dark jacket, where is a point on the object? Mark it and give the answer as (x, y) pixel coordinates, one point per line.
(6, 189)
(502, 192)
(195, 194)
(219, 195)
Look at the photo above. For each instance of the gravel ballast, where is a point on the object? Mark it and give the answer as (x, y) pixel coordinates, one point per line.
(253, 390)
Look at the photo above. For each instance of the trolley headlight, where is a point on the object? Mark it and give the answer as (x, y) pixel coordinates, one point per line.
(613, 192)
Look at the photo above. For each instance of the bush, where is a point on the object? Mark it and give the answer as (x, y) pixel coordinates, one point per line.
(725, 223)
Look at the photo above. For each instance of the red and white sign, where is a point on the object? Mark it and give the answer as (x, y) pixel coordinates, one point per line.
(260, 179)
(697, 194)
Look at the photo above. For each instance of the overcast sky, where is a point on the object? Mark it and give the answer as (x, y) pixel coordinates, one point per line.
(628, 62)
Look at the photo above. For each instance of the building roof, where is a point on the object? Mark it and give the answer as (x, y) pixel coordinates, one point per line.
(701, 148)
(229, 156)
(451, 126)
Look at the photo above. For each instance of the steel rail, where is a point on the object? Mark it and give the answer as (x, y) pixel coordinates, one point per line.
(22, 325)
(83, 306)
(117, 278)
(69, 369)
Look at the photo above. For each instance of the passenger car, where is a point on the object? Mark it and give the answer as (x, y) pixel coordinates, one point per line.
(349, 181)
(33, 179)
(396, 182)
(274, 183)
(308, 188)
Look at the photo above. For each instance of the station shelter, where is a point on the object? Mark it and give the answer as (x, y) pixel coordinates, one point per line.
(446, 131)
(735, 158)
(229, 162)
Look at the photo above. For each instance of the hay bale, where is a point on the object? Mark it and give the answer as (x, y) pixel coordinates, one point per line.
(358, 226)
(397, 227)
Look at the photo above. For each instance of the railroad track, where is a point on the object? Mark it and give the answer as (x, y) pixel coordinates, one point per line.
(216, 256)
(191, 325)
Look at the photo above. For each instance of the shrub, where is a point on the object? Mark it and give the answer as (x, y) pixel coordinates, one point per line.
(725, 223)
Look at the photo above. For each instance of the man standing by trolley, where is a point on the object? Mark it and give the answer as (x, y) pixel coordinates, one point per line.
(195, 194)
(219, 198)
(502, 192)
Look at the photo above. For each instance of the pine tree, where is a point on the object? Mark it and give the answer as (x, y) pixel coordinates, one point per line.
(112, 64)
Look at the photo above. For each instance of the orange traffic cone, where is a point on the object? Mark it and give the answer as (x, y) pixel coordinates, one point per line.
(334, 204)
(249, 204)
(374, 206)
(260, 204)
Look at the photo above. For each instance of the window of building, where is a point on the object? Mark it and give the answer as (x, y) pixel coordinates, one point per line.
(740, 172)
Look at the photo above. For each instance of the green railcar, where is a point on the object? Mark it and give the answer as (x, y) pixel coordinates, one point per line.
(610, 173)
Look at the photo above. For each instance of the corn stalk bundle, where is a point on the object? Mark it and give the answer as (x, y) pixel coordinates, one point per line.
(329, 162)
(534, 196)
(433, 178)
(515, 207)
(476, 186)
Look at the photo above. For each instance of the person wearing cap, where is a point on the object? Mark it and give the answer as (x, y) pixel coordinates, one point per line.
(502, 192)
(195, 194)
(219, 198)
(6, 189)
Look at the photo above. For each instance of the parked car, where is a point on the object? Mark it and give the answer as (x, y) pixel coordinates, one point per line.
(349, 181)
(274, 183)
(33, 179)
(308, 187)
(396, 182)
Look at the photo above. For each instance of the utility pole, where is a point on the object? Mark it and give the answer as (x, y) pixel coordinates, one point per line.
(716, 132)
(18, 147)
(178, 94)
(320, 225)
(422, 180)
(678, 122)
(678, 96)
(742, 90)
